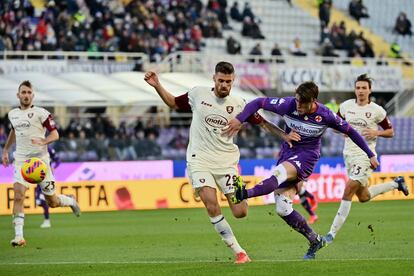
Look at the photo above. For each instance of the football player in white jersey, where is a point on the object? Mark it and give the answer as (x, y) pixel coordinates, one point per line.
(212, 158)
(29, 129)
(364, 116)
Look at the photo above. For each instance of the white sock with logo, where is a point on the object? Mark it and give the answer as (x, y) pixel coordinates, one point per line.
(66, 200)
(382, 188)
(340, 217)
(224, 230)
(18, 222)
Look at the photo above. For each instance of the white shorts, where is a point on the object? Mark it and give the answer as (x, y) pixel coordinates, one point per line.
(358, 168)
(201, 177)
(47, 185)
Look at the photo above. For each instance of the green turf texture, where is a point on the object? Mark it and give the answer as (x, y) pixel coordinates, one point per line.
(378, 238)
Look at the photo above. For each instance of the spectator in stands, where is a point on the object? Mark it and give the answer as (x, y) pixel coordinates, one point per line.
(357, 10)
(327, 50)
(403, 25)
(381, 61)
(325, 13)
(276, 52)
(235, 12)
(256, 51)
(251, 28)
(295, 48)
(247, 11)
(233, 46)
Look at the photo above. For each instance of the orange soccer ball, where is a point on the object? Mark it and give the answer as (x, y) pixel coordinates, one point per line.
(34, 170)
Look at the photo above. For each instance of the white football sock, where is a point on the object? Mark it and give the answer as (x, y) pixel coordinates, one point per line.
(66, 200)
(18, 222)
(382, 188)
(340, 217)
(224, 230)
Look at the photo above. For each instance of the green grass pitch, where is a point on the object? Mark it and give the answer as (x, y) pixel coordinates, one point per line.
(378, 238)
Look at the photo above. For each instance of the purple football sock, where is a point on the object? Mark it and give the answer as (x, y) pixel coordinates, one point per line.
(266, 187)
(297, 222)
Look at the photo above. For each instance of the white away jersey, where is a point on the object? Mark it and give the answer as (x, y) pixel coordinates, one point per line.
(208, 147)
(361, 117)
(28, 124)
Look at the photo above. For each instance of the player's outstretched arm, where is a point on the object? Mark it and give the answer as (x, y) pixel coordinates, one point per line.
(152, 79)
(11, 139)
(280, 133)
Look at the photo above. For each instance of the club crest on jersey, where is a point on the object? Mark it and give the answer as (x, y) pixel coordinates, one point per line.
(318, 119)
(368, 114)
(30, 115)
(229, 109)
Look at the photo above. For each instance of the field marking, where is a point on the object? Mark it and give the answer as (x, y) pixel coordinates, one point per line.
(202, 261)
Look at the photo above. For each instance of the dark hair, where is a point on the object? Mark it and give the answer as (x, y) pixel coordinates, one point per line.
(224, 67)
(307, 91)
(25, 83)
(364, 77)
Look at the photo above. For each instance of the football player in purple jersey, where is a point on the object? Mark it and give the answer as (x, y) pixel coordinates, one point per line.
(305, 116)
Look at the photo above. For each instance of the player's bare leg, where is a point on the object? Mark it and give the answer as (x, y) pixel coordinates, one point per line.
(18, 214)
(55, 201)
(209, 198)
(364, 194)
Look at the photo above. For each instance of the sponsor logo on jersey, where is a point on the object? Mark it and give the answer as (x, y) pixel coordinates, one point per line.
(202, 180)
(318, 119)
(215, 120)
(207, 104)
(358, 122)
(229, 109)
(304, 128)
(368, 114)
(30, 115)
(22, 125)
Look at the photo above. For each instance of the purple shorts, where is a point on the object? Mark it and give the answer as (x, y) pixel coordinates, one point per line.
(303, 159)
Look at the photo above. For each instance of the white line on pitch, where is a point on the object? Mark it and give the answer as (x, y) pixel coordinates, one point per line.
(201, 261)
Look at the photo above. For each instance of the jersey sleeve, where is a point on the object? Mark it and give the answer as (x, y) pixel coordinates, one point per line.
(256, 118)
(279, 106)
(337, 123)
(382, 119)
(49, 123)
(183, 102)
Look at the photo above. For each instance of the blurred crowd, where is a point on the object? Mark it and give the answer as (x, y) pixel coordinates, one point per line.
(155, 27)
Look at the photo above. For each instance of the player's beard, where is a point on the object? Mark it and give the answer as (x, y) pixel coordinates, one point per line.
(25, 102)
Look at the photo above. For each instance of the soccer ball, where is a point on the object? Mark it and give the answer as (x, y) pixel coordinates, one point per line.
(34, 170)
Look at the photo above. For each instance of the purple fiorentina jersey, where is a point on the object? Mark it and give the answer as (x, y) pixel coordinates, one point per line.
(305, 153)
(310, 126)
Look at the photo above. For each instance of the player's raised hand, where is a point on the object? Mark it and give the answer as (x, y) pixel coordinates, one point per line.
(232, 127)
(369, 133)
(290, 137)
(5, 158)
(374, 162)
(151, 78)
(39, 141)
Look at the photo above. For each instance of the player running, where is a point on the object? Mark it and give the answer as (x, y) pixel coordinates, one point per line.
(29, 125)
(364, 116)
